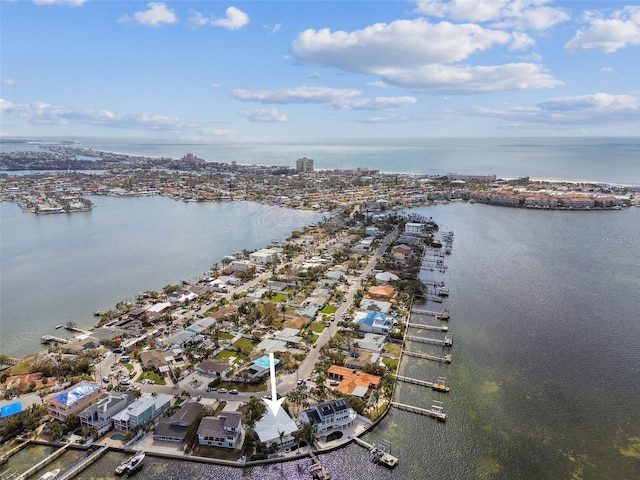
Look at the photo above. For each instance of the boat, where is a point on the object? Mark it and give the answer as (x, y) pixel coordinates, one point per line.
(70, 325)
(135, 464)
(50, 475)
(131, 465)
(58, 326)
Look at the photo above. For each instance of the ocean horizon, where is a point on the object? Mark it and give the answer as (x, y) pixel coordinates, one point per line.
(570, 159)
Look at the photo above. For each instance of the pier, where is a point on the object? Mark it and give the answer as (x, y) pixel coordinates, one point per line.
(436, 411)
(442, 328)
(442, 315)
(438, 385)
(72, 472)
(446, 342)
(317, 470)
(44, 463)
(378, 454)
(51, 338)
(434, 283)
(426, 356)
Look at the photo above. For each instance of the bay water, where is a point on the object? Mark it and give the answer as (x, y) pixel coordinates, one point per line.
(545, 316)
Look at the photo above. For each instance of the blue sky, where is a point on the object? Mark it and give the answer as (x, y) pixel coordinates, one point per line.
(275, 70)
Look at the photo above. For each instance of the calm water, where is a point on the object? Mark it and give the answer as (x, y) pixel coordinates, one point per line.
(613, 160)
(546, 360)
(59, 268)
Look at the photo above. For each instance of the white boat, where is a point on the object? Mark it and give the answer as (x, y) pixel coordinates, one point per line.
(136, 463)
(58, 326)
(50, 475)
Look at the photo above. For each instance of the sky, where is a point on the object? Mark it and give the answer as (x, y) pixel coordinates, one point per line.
(301, 70)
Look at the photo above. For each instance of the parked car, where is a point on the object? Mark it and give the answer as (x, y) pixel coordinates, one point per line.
(233, 391)
(222, 390)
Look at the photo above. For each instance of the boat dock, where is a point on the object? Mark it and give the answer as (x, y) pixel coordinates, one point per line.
(442, 315)
(378, 454)
(51, 338)
(436, 411)
(72, 472)
(436, 358)
(446, 342)
(439, 385)
(442, 328)
(44, 462)
(317, 470)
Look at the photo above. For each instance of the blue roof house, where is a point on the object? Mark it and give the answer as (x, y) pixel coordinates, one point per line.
(374, 322)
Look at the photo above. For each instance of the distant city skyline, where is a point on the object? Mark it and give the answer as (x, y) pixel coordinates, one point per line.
(272, 70)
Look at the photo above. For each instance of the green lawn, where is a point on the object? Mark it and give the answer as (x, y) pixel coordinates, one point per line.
(392, 363)
(393, 349)
(244, 344)
(225, 335)
(228, 354)
(280, 297)
(329, 309)
(317, 327)
(128, 366)
(158, 380)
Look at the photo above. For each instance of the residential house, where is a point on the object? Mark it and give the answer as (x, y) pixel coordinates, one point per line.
(373, 322)
(386, 293)
(224, 430)
(401, 252)
(214, 368)
(411, 228)
(73, 400)
(329, 415)
(353, 382)
(270, 427)
(100, 414)
(155, 360)
(142, 411)
(175, 428)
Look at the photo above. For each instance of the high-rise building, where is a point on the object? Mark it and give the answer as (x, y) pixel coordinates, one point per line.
(304, 165)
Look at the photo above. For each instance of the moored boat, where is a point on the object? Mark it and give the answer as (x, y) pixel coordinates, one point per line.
(50, 475)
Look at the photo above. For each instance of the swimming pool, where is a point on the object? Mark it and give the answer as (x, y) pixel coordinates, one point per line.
(117, 436)
(263, 361)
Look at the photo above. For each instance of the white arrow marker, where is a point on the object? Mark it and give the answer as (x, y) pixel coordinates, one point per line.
(275, 403)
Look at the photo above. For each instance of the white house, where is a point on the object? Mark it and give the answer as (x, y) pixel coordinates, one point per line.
(269, 428)
(264, 256)
(373, 322)
(142, 411)
(329, 415)
(414, 228)
(100, 414)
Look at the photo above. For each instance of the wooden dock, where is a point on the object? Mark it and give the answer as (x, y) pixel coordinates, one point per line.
(44, 462)
(378, 454)
(436, 411)
(447, 341)
(317, 470)
(436, 358)
(436, 328)
(51, 338)
(442, 315)
(72, 472)
(438, 385)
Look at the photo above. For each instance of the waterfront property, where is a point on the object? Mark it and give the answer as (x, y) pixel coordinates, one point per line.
(329, 415)
(101, 413)
(224, 430)
(73, 400)
(142, 411)
(270, 427)
(353, 382)
(175, 428)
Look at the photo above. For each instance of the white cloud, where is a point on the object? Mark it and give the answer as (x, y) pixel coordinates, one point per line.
(472, 79)
(592, 109)
(234, 20)
(606, 69)
(71, 3)
(413, 54)
(610, 34)
(8, 81)
(296, 95)
(157, 14)
(41, 113)
(378, 103)
(403, 42)
(264, 115)
(522, 14)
